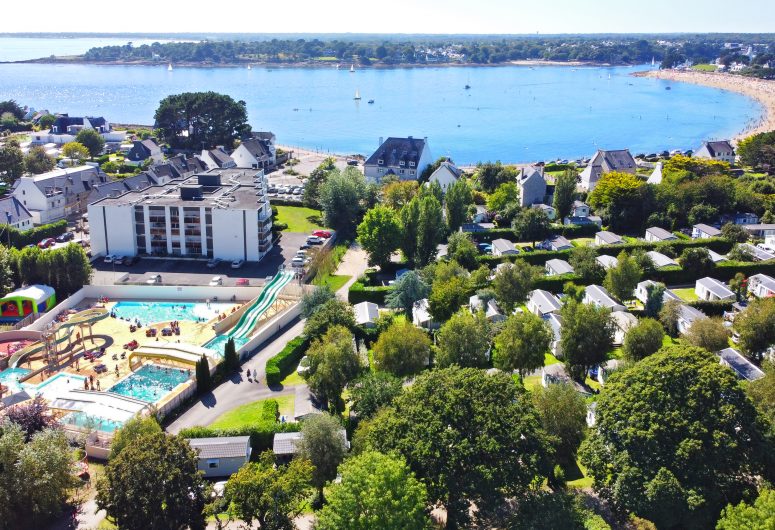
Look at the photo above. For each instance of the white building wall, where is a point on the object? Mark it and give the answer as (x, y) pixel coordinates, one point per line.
(243, 158)
(228, 230)
(121, 223)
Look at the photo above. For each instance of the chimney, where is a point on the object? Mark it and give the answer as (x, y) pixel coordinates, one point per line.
(380, 141)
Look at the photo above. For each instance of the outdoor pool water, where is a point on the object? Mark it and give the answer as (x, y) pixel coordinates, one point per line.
(81, 419)
(150, 383)
(152, 312)
(10, 378)
(218, 342)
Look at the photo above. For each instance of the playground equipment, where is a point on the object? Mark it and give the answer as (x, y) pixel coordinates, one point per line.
(51, 339)
(24, 302)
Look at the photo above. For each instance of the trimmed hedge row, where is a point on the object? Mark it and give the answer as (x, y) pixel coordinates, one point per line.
(282, 364)
(486, 236)
(20, 239)
(261, 434)
(712, 308)
(360, 293)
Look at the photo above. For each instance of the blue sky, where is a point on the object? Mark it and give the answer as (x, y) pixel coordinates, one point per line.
(395, 16)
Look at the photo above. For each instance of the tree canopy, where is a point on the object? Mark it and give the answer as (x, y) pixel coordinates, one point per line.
(586, 336)
(469, 437)
(201, 120)
(377, 492)
(676, 439)
(759, 514)
(322, 443)
(91, 140)
(513, 282)
(380, 234)
(402, 349)
(333, 363)
(464, 340)
(522, 343)
(643, 339)
(619, 197)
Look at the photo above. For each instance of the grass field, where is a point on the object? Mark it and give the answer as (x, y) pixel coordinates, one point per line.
(532, 382)
(334, 281)
(293, 379)
(705, 67)
(686, 294)
(577, 476)
(582, 241)
(550, 359)
(250, 413)
(299, 219)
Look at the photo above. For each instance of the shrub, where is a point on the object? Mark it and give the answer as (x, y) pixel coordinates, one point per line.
(360, 293)
(282, 364)
(20, 239)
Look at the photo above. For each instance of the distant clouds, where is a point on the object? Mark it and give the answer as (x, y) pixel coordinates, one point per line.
(394, 16)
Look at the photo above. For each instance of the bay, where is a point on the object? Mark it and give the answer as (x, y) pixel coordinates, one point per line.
(26, 48)
(510, 113)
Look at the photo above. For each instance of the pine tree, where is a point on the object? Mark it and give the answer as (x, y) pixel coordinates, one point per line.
(230, 358)
(203, 381)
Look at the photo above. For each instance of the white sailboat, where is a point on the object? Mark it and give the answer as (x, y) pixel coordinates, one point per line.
(250, 67)
(169, 67)
(653, 62)
(357, 95)
(352, 68)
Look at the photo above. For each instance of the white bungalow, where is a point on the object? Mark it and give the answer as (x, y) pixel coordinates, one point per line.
(743, 368)
(655, 234)
(503, 247)
(366, 314)
(606, 261)
(688, 316)
(641, 292)
(703, 231)
(555, 243)
(421, 315)
(556, 267)
(660, 260)
(543, 302)
(712, 290)
(608, 238)
(761, 285)
(597, 295)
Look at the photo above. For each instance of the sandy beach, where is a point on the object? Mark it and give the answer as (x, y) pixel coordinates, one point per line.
(759, 89)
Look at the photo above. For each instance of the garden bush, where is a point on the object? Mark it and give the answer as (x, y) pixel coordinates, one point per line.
(21, 239)
(360, 293)
(282, 364)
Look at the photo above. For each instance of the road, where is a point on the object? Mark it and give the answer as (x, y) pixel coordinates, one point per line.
(238, 390)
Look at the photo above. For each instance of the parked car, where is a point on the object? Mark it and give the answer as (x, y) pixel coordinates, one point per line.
(297, 262)
(237, 263)
(322, 233)
(45, 243)
(213, 263)
(109, 258)
(352, 162)
(304, 246)
(315, 240)
(131, 260)
(64, 238)
(118, 260)
(243, 282)
(301, 253)
(216, 280)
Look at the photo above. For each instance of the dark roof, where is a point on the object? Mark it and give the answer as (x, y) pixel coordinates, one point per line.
(69, 181)
(115, 188)
(257, 148)
(744, 368)
(618, 159)
(395, 150)
(142, 149)
(221, 447)
(264, 135)
(64, 121)
(720, 146)
(220, 157)
(12, 211)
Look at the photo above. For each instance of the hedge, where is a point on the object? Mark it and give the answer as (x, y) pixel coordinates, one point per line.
(275, 201)
(712, 308)
(282, 364)
(360, 293)
(572, 231)
(261, 434)
(554, 284)
(20, 239)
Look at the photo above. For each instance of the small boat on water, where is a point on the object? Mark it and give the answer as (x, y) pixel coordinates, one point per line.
(467, 87)
(668, 88)
(653, 61)
(357, 95)
(370, 102)
(169, 67)
(250, 67)
(352, 68)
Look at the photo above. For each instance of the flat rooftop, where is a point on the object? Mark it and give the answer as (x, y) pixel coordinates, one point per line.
(225, 188)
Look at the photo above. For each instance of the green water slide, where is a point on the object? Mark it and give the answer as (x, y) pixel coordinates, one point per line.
(267, 297)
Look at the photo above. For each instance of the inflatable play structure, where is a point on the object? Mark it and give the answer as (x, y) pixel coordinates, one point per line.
(26, 301)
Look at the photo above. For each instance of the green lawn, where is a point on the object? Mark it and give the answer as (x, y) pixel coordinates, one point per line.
(705, 67)
(299, 219)
(686, 294)
(293, 379)
(582, 241)
(334, 281)
(550, 359)
(576, 476)
(250, 413)
(532, 382)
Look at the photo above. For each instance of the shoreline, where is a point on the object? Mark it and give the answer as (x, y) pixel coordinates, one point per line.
(761, 90)
(316, 65)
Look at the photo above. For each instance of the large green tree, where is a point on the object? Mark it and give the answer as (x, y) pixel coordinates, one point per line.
(619, 197)
(377, 492)
(333, 363)
(75, 151)
(457, 201)
(132, 430)
(154, 484)
(447, 296)
(342, 199)
(11, 162)
(36, 161)
(201, 120)
(760, 514)
(91, 140)
(491, 175)
(708, 333)
(563, 414)
(430, 229)
(622, 279)
(407, 290)
(506, 194)
(332, 312)
(268, 494)
(586, 336)
(372, 391)
(380, 234)
(464, 340)
(522, 343)
(676, 439)
(323, 444)
(36, 476)
(564, 193)
(470, 437)
(513, 282)
(643, 339)
(531, 224)
(756, 327)
(402, 349)
(583, 259)
(462, 249)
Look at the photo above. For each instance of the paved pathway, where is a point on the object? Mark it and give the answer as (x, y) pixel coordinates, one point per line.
(238, 390)
(354, 264)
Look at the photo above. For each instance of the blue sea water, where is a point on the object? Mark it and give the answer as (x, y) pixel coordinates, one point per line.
(511, 113)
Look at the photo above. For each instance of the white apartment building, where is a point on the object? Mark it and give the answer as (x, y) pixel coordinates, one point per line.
(222, 213)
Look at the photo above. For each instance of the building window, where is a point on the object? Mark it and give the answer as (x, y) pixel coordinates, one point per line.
(380, 170)
(402, 171)
(213, 463)
(402, 163)
(380, 161)
(411, 164)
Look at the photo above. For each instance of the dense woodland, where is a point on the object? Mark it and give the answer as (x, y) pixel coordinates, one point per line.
(636, 49)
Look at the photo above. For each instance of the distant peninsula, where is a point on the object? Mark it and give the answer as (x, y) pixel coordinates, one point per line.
(415, 51)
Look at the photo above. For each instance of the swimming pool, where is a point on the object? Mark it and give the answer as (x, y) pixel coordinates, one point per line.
(151, 382)
(152, 312)
(10, 378)
(218, 342)
(84, 420)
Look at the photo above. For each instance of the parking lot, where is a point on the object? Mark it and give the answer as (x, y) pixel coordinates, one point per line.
(196, 272)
